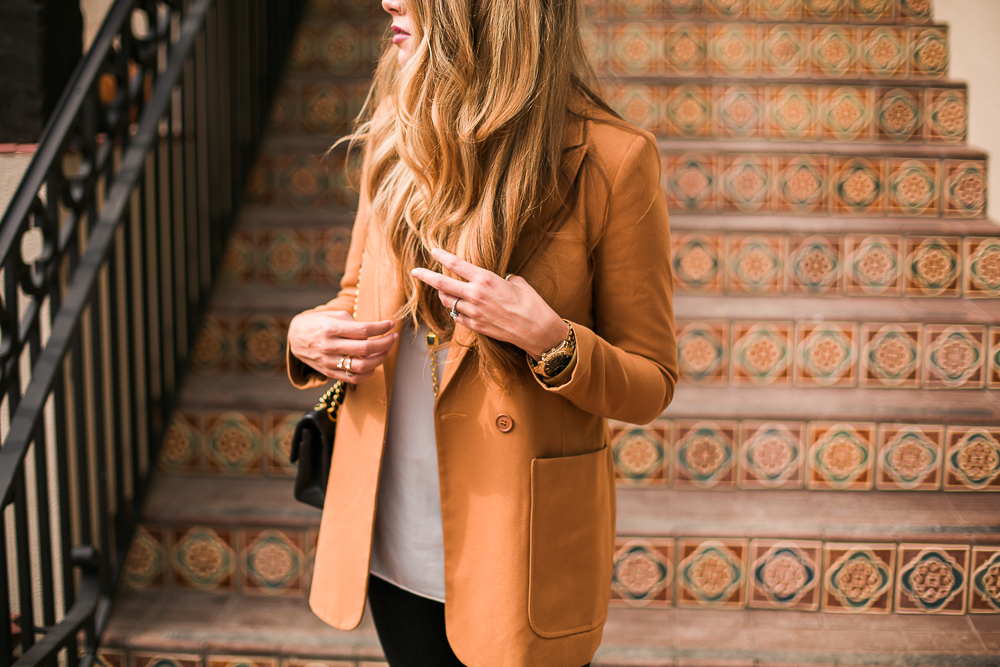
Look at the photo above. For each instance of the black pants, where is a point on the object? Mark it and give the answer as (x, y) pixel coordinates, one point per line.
(410, 627)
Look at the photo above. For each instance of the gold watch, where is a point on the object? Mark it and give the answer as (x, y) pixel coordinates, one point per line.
(556, 359)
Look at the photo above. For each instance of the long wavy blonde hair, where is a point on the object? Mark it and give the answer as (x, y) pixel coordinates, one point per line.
(465, 141)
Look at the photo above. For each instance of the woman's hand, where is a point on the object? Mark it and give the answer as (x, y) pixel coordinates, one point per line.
(508, 310)
(323, 339)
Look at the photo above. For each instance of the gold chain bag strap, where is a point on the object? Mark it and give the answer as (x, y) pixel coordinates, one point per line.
(312, 440)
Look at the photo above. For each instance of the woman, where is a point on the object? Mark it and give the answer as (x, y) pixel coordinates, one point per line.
(507, 291)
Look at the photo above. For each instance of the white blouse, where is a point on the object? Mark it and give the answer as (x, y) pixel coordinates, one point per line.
(408, 543)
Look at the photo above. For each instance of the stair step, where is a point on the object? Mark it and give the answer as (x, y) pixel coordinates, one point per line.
(260, 630)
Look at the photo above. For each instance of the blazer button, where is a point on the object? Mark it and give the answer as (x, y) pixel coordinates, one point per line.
(504, 423)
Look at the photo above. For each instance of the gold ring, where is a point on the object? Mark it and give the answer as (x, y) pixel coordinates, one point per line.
(340, 364)
(508, 276)
(347, 363)
(453, 312)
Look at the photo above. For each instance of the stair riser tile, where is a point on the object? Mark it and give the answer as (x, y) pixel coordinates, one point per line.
(834, 354)
(304, 256)
(840, 456)
(882, 11)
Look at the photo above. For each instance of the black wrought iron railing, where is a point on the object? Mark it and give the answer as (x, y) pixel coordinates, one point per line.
(107, 253)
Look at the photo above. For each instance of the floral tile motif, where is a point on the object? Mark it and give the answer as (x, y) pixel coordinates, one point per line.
(181, 449)
(762, 353)
(203, 558)
(841, 456)
(687, 111)
(690, 183)
(733, 49)
(234, 443)
(835, 51)
(873, 265)
(883, 52)
(933, 266)
(891, 355)
(285, 257)
(685, 47)
(679, 8)
(213, 347)
(918, 11)
(278, 442)
(784, 48)
(310, 662)
(696, 262)
(792, 112)
(739, 111)
(240, 661)
(823, 10)
(857, 187)
(638, 104)
(779, 10)
(972, 460)
(756, 263)
(643, 574)
(712, 573)
(272, 562)
(729, 10)
(260, 187)
(954, 357)
(745, 183)
(238, 262)
(784, 574)
(871, 11)
(703, 352)
(641, 454)
(947, 115)
(146, 561)
(982, 267)
(909, 457)
(993, 380)
(772, 455)
(634, 48)
(324, 107)
(899, 114)
(826, 354)
(262, 344)
(984, 582)
(929, 52)
(932, 579)
(847, 113)
(331, 254)
(914, 188)
(814, 264)
(858, 578)
(964, 189)
(164, 660)
(595, 41)
(800, 185)
(704, 454)
(303, 180)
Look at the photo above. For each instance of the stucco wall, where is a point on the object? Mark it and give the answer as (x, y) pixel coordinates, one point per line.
(975, 58)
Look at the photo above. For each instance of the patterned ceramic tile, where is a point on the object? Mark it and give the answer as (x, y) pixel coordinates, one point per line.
(638, 104)
(919, 11)
(785, 50)
(772, 455)
(261, 188)
(697, 262)
(681, 8)
(310, 662)
(785, 574)
(993, 380)
(643, 574)
(847, 113)
(140, 659)
(947, 115)
(792, 112)
(109, 657)
(929, 51)
(685, 47)
(762, 353)
(272, 562)
(146, 562)
(909, 457)
(712, 573)
(964, 189)
(982, 267)
(745, 183)
(826, 354)
(932, 579)
(704, 454)
(972, 460)
(734, 48)
(638, 9)
(324, 107)
(262, 344)
(729, 10)
(687, 111)
(835, 52)
(756, 263)
(873, 266)
(213, 347)
(933, 266)
(871, 11)
(279, 427)
(181, 449)
(841, 456)
(703, 352)
(285, 257)
(914, 188)
(858, 578)
(857, 186)
(824, 10)
(239, 263)
(234, 443)
(779, 10)
(331, 254)
(641, 454)
(203, 558)
(690, 183)
(814, 264)
(800, 184)
(891, 355)
(984, 581)
(883, 52)
(899, 114)
(634, 48)
(739, 111)
(954, 357)
(240, 661)
(595, 41)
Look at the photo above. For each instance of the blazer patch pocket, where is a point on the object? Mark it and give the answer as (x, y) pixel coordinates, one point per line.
(571, 543)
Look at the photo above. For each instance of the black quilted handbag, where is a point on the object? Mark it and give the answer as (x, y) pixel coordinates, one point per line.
(312, 446)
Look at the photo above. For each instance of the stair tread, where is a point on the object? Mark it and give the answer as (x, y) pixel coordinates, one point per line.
(209, 623)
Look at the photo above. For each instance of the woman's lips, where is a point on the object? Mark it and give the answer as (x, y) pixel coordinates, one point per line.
(399, 36)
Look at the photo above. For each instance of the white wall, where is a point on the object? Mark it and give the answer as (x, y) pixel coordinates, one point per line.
(93, 16)
(975, 58)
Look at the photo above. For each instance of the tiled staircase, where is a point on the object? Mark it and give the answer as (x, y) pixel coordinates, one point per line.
(823, 491)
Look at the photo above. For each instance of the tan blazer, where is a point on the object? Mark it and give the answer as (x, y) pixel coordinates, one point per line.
(527, 481)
